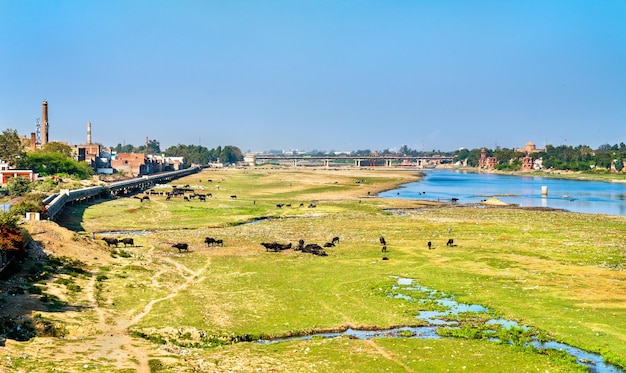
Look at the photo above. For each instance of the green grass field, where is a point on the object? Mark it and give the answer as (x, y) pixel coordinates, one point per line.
(561, 274)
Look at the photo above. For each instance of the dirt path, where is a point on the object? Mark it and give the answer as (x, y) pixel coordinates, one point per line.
(387, 356)
(191, 278)
(104, 330)
(112, 341)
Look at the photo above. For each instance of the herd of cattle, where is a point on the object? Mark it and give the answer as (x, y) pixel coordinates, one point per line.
(311, 248)
(188, 193)
(112, 241)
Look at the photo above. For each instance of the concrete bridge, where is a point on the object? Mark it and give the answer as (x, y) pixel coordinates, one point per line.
(55, 203)
(349, 160)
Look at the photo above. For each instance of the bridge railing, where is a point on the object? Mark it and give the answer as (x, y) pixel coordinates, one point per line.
(55, 203)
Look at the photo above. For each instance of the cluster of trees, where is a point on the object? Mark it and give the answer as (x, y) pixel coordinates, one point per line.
(196, 154)
(57, 158)
(151, 147)
(192, 154)
(563, 157)
(54, 158)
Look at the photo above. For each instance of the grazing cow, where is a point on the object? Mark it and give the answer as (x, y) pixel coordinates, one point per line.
(300, 246)
(385, 258)
(233, 196)
(312, 206)
(275, 246)
(219, 242)
(302, 205)
(329, 244)
(450, 242)
(201, 197)
(280, 205)
(209, 241)
(314, 249)
(284, 247)
(384, 249)
(110, 241)
(430, 244)
(270, 246)
(181, 247)
(335, 240)
(127, 241)
(382, 241)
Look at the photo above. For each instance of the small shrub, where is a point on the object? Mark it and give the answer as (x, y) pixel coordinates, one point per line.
(156, 366)
(64, 281)
(35, 290)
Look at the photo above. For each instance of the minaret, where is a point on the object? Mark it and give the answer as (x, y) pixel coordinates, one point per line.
(44, 123)
(89, 133)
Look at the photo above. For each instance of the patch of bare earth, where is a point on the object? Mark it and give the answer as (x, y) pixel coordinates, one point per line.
(95, 336)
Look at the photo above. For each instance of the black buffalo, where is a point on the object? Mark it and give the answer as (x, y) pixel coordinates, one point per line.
(181, 247)
(110, 241)
(127, 241)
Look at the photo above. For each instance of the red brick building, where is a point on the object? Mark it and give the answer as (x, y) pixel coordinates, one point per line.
(134, 164)
(487, 162)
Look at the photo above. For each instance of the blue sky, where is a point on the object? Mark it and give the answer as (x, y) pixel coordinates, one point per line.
(325, 75)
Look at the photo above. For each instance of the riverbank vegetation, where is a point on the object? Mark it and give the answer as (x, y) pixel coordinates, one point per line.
(559, 274)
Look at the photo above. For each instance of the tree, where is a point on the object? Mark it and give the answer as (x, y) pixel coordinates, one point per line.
(153, 147)
(192, 154)
(18, 186)
(11, 147)
(404, 150)
(128, 148)
(55, 163)
(231, 154)
(58, 147)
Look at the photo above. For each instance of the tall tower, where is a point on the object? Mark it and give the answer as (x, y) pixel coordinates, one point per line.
(89, 133)
(44, 123)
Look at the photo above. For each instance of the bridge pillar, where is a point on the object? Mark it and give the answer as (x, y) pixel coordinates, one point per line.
(326, 162)
(295, 163)
(388, 162)
(250, 159)
(357, 163)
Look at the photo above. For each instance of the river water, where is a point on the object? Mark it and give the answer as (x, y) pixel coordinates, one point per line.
(593, 197)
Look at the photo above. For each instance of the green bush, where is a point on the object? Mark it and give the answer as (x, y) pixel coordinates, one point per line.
(18, 186)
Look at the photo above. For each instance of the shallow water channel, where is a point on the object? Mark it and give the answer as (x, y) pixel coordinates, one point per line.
(447, 318)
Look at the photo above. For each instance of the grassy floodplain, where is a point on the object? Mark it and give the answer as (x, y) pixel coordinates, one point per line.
(562, 274)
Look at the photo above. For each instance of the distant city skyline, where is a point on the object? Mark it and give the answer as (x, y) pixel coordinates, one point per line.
(317, 75)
